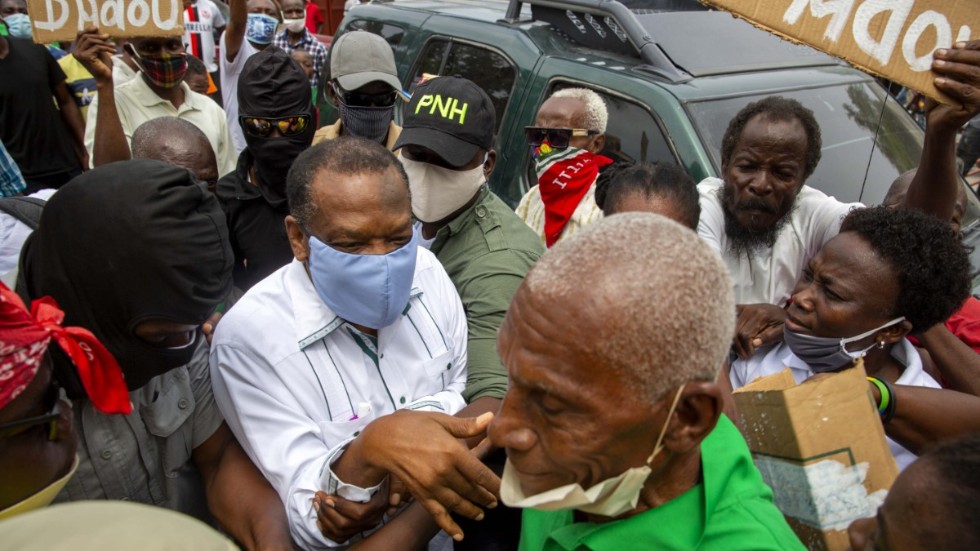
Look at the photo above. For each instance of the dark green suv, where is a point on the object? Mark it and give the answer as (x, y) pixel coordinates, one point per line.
(672, 73)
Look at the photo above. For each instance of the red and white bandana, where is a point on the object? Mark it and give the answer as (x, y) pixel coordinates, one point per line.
(24, 338)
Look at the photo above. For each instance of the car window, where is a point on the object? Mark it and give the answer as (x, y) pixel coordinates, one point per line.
(848, 116)
(632, 132)
(392, 33)
(490, 70)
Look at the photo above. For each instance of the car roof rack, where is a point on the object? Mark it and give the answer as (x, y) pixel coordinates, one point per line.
(602, 24)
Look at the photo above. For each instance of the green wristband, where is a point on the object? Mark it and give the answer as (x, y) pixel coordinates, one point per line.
(884, 391)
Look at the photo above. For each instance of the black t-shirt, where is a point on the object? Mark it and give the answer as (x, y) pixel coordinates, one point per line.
(30, 124)
(257, 230)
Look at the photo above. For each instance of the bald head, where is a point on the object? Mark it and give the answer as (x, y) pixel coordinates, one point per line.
(179, 143)
(658, 300)
(899, 190)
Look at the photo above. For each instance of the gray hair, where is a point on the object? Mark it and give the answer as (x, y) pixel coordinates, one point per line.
(659, 298)
(164, 138)
(596, 114)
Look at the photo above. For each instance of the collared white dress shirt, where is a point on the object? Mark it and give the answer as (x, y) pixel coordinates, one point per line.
(768, 276)
(779, 357)
(137, 103)
(296, 383)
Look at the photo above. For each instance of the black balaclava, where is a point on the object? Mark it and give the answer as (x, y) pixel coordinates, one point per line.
(129, 242)
(272, 85)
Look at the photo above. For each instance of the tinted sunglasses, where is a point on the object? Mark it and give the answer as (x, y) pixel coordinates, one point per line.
(357, 99)
(557, 138)
(52, 402)
(262, 127)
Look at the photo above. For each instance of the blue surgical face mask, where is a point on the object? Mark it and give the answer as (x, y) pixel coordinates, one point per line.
(366, 289)
(825, 354)
(19, 25)
(260, 28)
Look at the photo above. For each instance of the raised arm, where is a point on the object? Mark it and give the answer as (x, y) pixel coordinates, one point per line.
(105, 139)
(957, 70)
(235, 31)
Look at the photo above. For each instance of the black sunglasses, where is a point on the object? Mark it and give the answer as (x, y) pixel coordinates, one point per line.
(557, 138)
(357, 99)
(261, 127)
(52, 402)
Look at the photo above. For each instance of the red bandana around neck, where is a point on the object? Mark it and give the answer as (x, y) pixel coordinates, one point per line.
(564, 177)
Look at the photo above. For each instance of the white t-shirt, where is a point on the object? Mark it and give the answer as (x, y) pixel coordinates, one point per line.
(780, 357)
(200, 20)
(769, 276)
(229, 88)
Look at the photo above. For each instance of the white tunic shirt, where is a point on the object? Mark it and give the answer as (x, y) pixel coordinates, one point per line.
(296, 383)
(769, 276)
(780, 357)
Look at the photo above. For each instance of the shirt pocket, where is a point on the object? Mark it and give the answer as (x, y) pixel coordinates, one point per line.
(168, 417)
(335, 432)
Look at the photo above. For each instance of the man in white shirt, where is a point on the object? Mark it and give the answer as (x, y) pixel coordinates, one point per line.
(251, 27)
(201, 21)
(157, 91)
(767, 224)
(362, 323)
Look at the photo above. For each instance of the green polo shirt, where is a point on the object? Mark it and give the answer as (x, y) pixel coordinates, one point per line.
(486, 251)
(731, 509)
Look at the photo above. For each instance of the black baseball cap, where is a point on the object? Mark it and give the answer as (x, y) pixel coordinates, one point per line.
(452, 116)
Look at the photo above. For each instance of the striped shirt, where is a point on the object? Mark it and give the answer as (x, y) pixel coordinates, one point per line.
(296, 383)
(11, 180)
(531, 211)
(312, 46)
(201, 19)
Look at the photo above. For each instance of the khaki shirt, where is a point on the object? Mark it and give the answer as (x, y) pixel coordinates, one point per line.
(332, 131)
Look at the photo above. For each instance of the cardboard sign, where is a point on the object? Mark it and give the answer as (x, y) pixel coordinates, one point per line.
(821, 448)
(57, 20)
(891, 38)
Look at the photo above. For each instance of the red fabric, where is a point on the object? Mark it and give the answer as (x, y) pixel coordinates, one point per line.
(314, 17)
(24, 337)
(965, 324)
(22, 345)
(562, 184)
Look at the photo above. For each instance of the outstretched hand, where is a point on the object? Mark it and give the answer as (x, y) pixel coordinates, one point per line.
(424, 452)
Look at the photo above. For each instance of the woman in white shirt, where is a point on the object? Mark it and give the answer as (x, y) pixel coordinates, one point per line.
(887, 274)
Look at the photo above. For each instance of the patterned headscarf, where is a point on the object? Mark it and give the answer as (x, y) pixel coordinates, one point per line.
(24, 339)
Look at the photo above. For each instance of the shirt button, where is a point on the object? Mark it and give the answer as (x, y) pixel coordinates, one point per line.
(402, 400)
(106, 454)
(481, 212)
(448, 366)
(182, 404)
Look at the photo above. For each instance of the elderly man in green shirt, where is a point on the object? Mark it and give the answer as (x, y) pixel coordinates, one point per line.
(613, 423)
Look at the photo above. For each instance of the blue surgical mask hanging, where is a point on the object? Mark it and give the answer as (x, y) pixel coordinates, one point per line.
(366, 289)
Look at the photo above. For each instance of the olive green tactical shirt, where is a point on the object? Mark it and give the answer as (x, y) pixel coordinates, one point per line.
(486, 250)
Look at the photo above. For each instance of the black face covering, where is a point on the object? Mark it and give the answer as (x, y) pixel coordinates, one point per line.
(126, 243)
(272, 85)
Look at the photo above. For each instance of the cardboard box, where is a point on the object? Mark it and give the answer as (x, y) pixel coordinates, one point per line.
(821, 448)
(891, 38)
(60, 20)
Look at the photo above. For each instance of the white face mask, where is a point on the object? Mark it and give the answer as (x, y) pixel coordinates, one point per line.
(294, 25)
(611, 497)
(438, 192)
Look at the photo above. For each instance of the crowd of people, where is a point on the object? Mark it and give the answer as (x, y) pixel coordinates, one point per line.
(274, 333)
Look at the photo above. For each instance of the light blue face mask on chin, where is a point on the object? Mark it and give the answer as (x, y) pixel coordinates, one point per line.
(365, 289)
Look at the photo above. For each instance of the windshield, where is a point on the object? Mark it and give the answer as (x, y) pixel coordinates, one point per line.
(848, 116)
